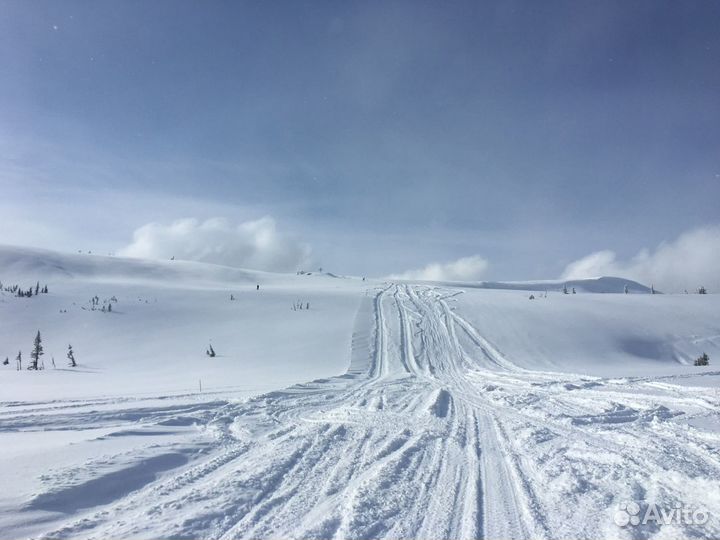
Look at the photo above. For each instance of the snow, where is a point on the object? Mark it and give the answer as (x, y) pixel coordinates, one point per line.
(154, 340)
(386, 410)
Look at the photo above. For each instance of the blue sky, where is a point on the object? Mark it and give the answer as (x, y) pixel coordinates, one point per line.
(386, 135)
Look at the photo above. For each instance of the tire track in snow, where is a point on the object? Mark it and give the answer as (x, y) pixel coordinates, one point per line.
(438, 436)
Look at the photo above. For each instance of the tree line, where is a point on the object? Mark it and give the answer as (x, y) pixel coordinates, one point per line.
(24, 293)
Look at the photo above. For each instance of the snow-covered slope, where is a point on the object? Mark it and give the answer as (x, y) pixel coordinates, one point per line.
(599, 334)
(31, 263)
(165, 317)
(424, 411)
(603, 284)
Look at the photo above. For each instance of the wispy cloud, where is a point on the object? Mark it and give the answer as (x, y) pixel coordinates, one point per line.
(464, 269)
(254, 244)
(693, 259)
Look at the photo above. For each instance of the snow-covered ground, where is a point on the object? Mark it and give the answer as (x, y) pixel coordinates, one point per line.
(386, 410)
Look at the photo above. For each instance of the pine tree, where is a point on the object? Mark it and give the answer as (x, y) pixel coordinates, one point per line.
(210, 352)
(37, 352)
(6, 362)
(18, 360)
(71, 356)
(37, 288)
(703, 360)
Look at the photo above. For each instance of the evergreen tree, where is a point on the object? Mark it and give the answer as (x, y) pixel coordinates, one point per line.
(37, 288)
(18, 360)
(6, 362)
(36, 353)
(71, 356)
(210, 352)
(703, 360)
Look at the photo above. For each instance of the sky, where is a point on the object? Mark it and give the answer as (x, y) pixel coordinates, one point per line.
(500, 140)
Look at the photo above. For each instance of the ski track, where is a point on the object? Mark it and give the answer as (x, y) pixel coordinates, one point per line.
(432, 433)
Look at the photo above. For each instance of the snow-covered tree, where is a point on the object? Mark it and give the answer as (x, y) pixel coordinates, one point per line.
(71, 356)
(703, 360)
(18, 360)
(210, 352)
(37, 352)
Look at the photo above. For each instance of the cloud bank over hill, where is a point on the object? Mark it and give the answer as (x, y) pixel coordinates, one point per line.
(693, 259)
(258, 244)
(465, 269)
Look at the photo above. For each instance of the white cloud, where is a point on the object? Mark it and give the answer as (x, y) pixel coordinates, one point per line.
(686, 263)
(465, 269)
(253, 244)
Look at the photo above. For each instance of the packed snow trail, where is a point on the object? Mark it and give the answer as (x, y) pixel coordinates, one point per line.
(432, 433)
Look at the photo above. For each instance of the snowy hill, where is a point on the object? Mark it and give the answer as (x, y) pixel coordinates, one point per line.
(168, 312)
(368, 415)
(31, 263)
(166, 315)
(603, 284)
